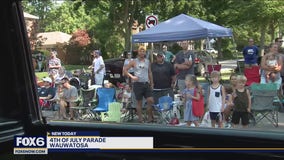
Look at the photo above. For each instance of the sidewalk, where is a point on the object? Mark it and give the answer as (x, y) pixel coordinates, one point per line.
(264, 125)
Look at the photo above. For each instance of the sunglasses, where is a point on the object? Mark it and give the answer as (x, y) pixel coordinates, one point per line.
(142, 67)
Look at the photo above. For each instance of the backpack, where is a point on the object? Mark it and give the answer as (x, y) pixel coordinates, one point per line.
(198, 105)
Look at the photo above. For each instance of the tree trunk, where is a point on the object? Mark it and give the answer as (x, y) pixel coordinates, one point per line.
(128, 20)
(219, 43)
(262, 39)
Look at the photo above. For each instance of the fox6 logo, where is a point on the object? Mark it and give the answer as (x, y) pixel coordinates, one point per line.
(30, 142)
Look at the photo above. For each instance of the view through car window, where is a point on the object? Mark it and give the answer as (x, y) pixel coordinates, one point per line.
(169, 76)
(91, 53)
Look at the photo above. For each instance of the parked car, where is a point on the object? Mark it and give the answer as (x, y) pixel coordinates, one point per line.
(202, 58)
(114, 67)
(212, 52)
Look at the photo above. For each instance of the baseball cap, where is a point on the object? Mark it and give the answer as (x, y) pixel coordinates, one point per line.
(164, 46)
(98, 52)
(47, 79)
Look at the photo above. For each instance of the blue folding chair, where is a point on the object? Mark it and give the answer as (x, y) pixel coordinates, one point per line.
(105, 97)
(164, 109)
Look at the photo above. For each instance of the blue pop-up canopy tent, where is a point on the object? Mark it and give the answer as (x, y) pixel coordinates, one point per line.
(181, 27)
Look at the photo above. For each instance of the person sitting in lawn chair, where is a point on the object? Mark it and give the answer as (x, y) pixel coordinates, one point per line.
(46, 93)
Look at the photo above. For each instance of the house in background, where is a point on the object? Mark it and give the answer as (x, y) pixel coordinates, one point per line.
(48, 40)
(32, 28)
(51, 39)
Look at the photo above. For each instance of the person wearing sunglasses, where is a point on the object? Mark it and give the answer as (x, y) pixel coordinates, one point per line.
(68, 99)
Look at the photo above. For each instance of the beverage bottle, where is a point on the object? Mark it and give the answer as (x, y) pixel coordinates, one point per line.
(190, 58)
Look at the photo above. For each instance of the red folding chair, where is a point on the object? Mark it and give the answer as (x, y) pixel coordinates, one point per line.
(211, 68)
(252, 74)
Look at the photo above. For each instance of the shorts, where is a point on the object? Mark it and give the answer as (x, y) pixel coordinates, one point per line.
(99, 78)
(142, 89)
(164, 92)
(243, 116)
(216, 116)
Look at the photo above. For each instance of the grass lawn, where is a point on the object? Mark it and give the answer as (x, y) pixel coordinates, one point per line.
(225, 75)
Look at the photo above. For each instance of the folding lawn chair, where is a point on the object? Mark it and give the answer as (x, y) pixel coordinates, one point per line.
(240, 66)
(252, 74)
(82, 112)
(114, 112)
(210, 69)
(105, 97)
(164, 109)
(265, 103)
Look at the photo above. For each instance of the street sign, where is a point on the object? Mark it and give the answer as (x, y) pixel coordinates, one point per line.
(151, 21)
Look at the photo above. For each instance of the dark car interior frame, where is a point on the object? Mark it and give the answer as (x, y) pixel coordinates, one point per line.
(20, 114)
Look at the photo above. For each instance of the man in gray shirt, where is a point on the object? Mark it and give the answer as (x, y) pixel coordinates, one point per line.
(142, 82)
(184, 64)
(68, 99)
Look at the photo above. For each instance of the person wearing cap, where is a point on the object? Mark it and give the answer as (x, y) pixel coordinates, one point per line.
(169, 56)
(98, 67)
(68, 98)
(163, 77)
(142, 83)
(126, 62)
(46, 92)
(54, 64)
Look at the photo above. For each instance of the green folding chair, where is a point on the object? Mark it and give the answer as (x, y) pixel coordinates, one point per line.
(264, 103)
(114, 112)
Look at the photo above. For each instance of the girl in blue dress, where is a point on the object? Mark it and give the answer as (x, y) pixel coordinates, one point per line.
(187, 95)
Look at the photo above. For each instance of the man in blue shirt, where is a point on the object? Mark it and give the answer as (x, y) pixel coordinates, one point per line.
(250, 54)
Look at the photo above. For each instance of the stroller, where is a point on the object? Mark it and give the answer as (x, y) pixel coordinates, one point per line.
(80, 80)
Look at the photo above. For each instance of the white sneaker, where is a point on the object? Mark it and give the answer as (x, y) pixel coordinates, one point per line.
(228, 125)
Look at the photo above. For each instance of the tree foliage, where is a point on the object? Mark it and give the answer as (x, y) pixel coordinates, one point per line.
(80, 38)
(109, 22)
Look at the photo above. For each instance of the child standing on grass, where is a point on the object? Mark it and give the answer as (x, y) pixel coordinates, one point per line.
(216, 99)
(242, 103)
(188, 94)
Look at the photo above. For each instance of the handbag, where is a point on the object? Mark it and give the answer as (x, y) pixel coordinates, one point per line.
(198, 105)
